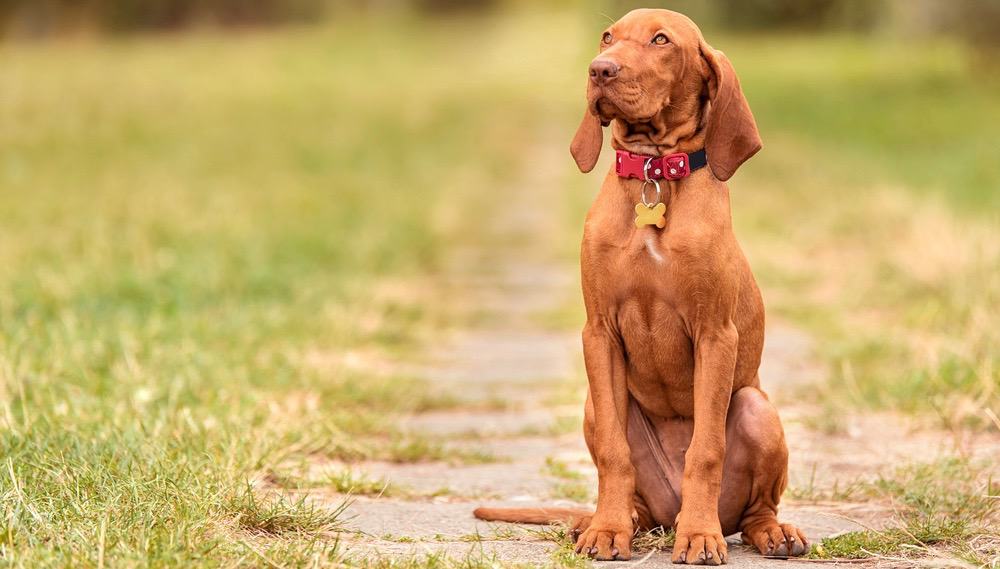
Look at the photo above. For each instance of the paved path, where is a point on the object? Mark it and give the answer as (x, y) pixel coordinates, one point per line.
(536, 373)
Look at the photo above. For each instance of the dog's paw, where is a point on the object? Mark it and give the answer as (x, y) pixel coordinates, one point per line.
(579, 526)
(700, 548)
(777, 540)
(605, 542)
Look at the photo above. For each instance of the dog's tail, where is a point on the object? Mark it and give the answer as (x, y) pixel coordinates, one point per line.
(531, 515)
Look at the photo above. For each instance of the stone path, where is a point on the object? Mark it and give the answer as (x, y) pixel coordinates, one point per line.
(516, 376)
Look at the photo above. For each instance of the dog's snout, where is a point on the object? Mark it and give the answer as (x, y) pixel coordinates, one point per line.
(603, 71)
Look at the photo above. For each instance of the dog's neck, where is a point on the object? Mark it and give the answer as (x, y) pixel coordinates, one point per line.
(676, 128)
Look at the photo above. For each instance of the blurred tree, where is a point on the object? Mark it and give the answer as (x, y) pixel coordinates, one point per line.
(45, 17)
(800, 14)
(440, 6)
(775, 13)
(978, 21)
(768, 15)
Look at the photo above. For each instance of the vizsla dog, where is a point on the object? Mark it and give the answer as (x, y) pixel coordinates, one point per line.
(675, 419)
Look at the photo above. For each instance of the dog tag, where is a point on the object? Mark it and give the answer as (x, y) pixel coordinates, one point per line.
(650, 215)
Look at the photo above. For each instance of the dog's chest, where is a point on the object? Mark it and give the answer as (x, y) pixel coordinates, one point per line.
(652, 250)
(645, 265)
(649, 313)
(651, 267)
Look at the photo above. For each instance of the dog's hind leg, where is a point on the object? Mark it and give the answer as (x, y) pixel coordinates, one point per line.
(758, 448)
(753, 476)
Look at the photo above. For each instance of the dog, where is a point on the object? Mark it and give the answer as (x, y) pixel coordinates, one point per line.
(675, 420)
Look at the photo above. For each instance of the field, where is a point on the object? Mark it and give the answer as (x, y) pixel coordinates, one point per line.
(221, 250)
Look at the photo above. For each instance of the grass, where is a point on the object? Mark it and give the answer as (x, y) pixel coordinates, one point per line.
(916, 115)
(348, 481)
(569, 484)
(564, 554)
(837, 491)
(949, 508)
(211, 250)
(657, 539)
(344, 481)
(870, 217)
(277, 515)
(909, 327)
(575, 490)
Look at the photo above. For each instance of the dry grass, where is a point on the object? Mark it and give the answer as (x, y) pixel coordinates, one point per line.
(949, 509)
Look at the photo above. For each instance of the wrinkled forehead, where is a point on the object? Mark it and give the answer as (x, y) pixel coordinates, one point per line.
(644, 23)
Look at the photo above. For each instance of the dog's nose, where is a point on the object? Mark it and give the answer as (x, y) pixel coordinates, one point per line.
(603, 71)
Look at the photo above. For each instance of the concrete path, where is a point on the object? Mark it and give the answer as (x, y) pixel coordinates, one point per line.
(524, 385)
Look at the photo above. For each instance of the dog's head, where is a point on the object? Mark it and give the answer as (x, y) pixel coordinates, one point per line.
(661, 83)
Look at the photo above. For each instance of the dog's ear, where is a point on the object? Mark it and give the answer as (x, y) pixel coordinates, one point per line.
(731, 135)
(586, 145)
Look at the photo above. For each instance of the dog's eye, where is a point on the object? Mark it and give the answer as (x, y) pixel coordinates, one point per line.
(660, 39)
(606, 38)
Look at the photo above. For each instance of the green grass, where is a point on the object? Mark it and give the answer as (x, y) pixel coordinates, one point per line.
(569, 484)
(870, 217)
(277, 515)
(559, 469)
(344, 481)
(900, 112)
(212, 244)
(949, 508)
(347, 481)
(870, 220)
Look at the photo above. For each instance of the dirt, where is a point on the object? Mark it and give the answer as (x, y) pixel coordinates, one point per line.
(514, 373)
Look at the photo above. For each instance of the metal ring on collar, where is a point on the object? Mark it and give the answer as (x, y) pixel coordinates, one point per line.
(642, 194)
(645, 169)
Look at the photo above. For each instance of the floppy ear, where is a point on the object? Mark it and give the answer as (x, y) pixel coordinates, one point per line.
(586, 145)
(731, 135)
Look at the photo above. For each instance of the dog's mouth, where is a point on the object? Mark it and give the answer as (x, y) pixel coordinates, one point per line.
(607, 110)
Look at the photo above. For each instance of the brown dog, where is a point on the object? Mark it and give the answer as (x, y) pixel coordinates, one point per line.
(675, 419)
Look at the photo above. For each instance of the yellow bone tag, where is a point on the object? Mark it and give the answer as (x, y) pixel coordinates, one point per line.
(645, 215)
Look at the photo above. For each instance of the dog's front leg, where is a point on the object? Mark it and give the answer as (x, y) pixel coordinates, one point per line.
(609, 535)
(699, 538)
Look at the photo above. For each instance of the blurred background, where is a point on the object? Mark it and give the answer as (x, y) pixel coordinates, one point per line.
(233, 231)
(973, 20)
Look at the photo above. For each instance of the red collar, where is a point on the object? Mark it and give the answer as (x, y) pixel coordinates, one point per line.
(669, 167)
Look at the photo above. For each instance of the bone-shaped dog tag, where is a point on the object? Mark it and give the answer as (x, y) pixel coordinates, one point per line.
(646, 215)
